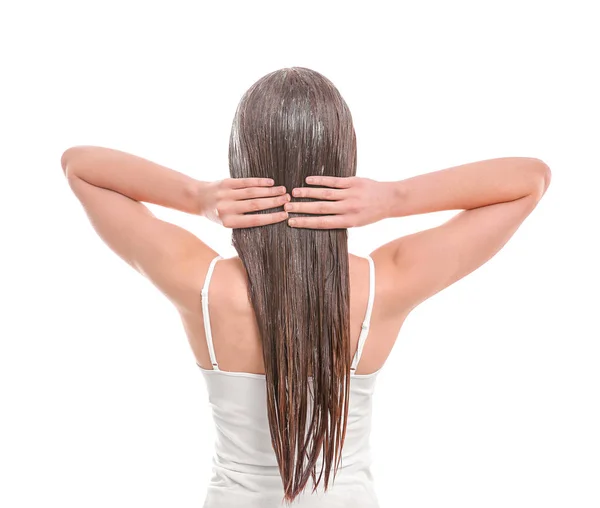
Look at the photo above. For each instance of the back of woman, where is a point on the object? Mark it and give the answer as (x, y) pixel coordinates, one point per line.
(289, 125)
(291, 334)
(228, 352)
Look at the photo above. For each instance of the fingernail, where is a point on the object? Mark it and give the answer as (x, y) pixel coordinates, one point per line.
(287, 207)
(309, 179)
(289, 198)
(292, 222)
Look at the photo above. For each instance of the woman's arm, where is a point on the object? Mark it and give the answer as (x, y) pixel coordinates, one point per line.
(357, 201)
(223, 201)
(470, 186)
(495, 197)
(112, 186)
(134, 177)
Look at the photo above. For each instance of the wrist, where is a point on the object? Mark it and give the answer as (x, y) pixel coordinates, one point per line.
(394, 199)
(197, 196)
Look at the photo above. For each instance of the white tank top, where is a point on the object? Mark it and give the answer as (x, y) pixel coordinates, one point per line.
(245, 472)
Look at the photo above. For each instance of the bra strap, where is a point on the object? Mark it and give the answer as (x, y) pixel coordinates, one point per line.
(367, 321)
(205, 315)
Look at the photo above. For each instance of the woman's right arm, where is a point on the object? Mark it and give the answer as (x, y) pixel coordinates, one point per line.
(470, 186)
(495, 195)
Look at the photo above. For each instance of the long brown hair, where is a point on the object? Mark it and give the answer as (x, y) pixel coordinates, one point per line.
(290, 124)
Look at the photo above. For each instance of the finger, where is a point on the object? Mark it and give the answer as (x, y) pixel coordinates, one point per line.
(253, 205)
(240, 183)
(318, 193)
(262, 219)
(316, 207)
(326, 222)
(340, 182)
(256, 192)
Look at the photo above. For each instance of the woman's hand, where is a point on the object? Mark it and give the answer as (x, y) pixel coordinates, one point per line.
(353, 201)
(226, 201)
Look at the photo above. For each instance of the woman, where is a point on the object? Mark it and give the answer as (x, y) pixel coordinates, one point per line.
(283, 344)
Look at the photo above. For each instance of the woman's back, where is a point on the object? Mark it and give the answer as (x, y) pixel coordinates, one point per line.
(235, 336)
(245, 469)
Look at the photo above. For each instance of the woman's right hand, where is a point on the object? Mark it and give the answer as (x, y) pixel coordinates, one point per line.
(346, 202)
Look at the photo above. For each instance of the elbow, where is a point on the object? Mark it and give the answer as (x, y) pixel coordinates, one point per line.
(547, 176)
(542, 177)
(68, 156)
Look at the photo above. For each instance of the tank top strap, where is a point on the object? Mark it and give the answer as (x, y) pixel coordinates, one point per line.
(367, 321)
(205, 314)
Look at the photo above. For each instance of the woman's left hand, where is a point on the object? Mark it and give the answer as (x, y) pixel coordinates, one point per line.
(226, 201)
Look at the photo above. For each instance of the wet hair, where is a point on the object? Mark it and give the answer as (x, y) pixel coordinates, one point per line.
(290, 124)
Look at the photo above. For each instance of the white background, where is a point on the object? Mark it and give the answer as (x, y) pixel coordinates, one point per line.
(491, 396)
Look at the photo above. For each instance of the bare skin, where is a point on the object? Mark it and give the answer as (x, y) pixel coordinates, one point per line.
(495, 197)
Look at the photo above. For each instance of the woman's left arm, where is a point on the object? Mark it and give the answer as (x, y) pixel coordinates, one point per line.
(112, 186)
(134, 177)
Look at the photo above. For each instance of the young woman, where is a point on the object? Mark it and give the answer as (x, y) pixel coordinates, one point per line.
(290, 335)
